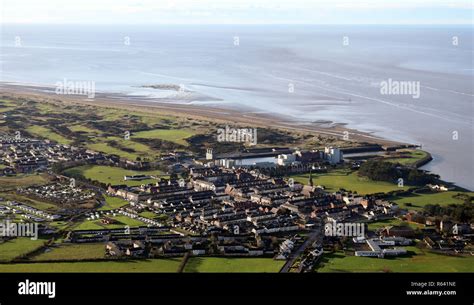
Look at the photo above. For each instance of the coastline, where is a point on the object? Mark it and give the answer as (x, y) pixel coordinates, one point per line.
(239, 117)
(213, 113)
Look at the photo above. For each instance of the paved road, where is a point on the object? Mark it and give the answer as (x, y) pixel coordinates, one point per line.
(312, 237)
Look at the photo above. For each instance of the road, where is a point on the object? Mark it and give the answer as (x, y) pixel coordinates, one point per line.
(312, 237)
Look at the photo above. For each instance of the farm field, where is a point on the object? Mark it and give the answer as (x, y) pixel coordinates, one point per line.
(150, 265)
(418, 201)
(417, 260)
(344, 179)
(22, 180)
(72, 252)
(97, 224)
(109, 174)
(18, 246)
(177, 136)
(45, 206)
(222, 264)
(392, 222)
(112, 203)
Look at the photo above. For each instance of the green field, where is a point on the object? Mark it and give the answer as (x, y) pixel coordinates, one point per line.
(222, 264)
(47, 133)
(107, 149)
(408, 156)
(417, 260)
(392, 222)
(72, 252)
(45, 206)
(155, 265)
(7, 102)
(22, 180)
(18, 246)
(112, 203)
(82, 128)
(7, 106)
(350, 181)
(418, 201)
(6, 109)
(110, 174)
(140, 150)
(127, 221)
(97, 224)
(177, 136)
(60, 225)
(48, 108)
(148, 214)
(90, 225)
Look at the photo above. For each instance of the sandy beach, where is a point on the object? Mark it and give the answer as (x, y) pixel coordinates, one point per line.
(204, 112)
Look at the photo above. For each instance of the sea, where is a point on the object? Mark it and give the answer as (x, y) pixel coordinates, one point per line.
(406, 83)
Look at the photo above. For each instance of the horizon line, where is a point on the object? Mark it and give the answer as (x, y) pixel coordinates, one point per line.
(249, 23)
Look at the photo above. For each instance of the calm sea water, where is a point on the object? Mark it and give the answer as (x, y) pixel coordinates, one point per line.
(308, 73)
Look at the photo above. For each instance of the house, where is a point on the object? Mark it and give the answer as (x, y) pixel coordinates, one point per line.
(384, 247)
(439, 188)
(398, 231)
(286, 159)
(136, 177)
(333, 155)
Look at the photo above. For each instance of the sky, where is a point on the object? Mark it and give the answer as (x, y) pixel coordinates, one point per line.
(237, 11)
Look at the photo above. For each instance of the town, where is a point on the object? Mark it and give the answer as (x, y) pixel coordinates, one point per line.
(251, 203)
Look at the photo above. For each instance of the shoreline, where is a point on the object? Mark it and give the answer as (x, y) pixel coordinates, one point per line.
(207, 112)
(240, 117)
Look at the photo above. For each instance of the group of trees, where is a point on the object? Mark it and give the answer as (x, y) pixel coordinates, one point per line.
(458, 212)
(380, 170)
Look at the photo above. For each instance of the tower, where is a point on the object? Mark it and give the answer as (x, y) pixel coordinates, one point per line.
(209, 155)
